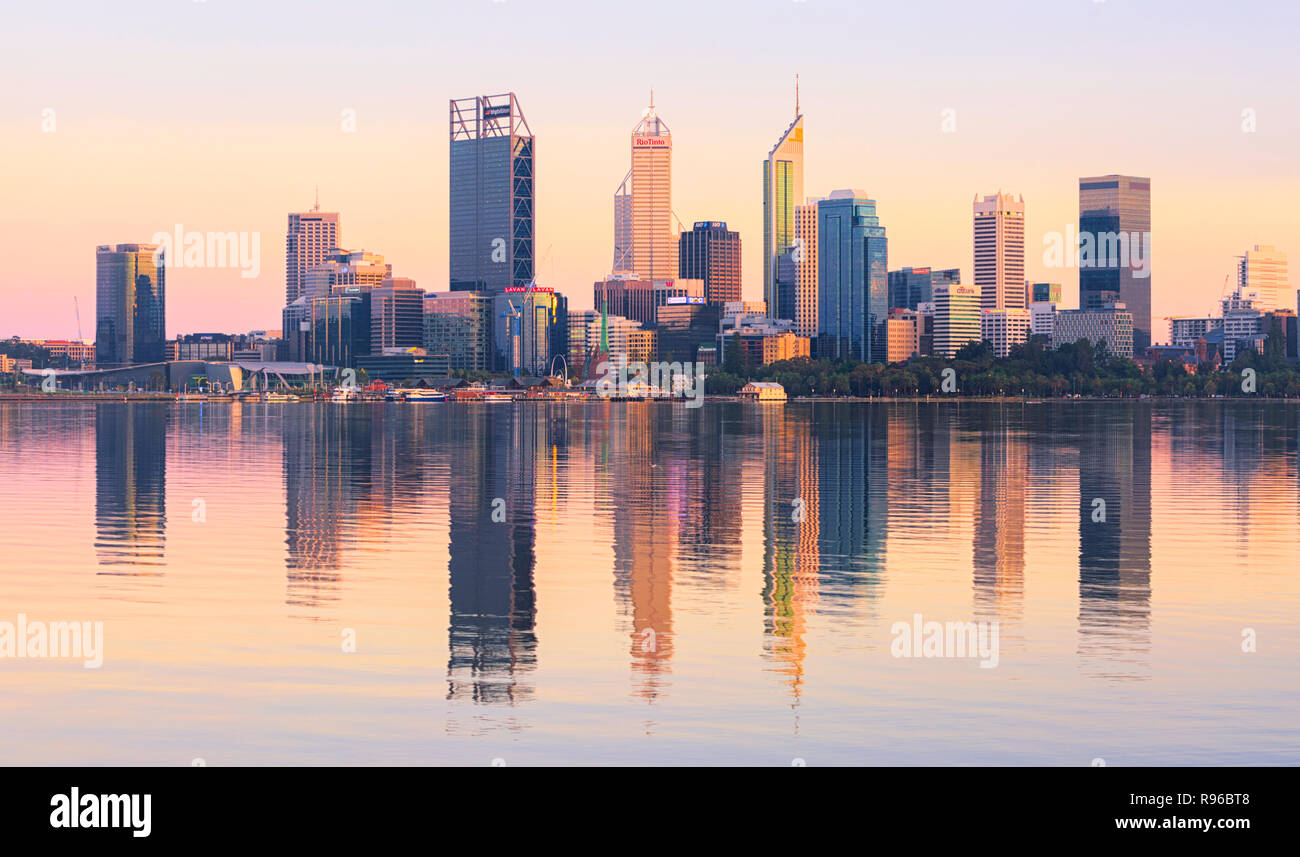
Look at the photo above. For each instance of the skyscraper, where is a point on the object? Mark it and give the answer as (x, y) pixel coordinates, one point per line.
(1000, 251)
(645, 243)
(796, 275)
(782, 192)
(1262, 272)
(493, 165)
(853, 279)
(311, 236)
(711, 252)
(130, 304)
(1115, 205)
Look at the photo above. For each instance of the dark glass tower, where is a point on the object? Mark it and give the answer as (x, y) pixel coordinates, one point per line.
(1110, 205)
(853, 279)
(711, 252)
(130, 305)
(492, 195)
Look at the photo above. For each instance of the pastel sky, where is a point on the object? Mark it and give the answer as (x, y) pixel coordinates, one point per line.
(224, 115)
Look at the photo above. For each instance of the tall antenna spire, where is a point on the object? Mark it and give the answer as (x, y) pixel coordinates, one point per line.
(796, 94)
(317, 206)
(652, 98)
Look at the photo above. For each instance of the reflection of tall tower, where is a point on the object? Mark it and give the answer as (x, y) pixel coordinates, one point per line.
(645, 243)
(1115, 550)
(852, 472)
(327, 459)
(791, 526)
(492, 636)
(645, 538)
(130, 484)
(999, 544)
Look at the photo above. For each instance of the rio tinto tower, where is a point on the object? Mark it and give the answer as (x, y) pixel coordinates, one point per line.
(645, 244)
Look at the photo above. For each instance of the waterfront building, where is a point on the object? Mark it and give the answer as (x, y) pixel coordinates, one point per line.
(130, 304)
(461, 325)
(396, 314)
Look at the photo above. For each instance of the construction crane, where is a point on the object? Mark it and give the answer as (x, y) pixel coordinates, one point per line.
(77, 309)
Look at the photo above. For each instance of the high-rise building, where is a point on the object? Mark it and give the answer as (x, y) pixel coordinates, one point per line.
(396, 315)
(1042, 318)
(130, 304)
(460, 325)
(912, 287)
(493, 202)
(782, 193)
(310, 238)
(1262, 274)
(711, 252)
(645, 243)
(1000, 251)
(527, 324)
(1109, 207)
(797, 274)
(853, 279)
(956, 318)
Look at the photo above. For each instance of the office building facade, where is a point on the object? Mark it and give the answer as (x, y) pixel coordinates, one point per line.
(1111, 206)
(1111, 324)
(310, 238)
(1000, 250)
(853, 279)
(645, 242)
(493, 195)
(130, 304)
(1262, 275)
(956, 318)
(782, 193)
(711, 252)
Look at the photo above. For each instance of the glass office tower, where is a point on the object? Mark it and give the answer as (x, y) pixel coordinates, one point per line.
(130, 304)
(1109, 205)
(853, 279)
(782, 192)
(492, 195)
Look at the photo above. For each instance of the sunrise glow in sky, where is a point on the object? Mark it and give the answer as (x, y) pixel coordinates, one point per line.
(225, 115)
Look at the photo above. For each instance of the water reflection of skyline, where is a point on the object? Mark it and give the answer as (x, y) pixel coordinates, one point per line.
(674, 483)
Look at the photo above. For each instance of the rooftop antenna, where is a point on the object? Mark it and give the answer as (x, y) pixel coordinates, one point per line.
(317, 206)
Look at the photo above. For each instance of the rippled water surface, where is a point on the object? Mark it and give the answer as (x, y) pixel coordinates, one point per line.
(624, 583)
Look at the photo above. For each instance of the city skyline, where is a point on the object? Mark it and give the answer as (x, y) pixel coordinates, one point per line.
(253, 163)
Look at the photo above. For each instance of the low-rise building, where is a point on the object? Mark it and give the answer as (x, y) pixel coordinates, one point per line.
(1111, 323)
